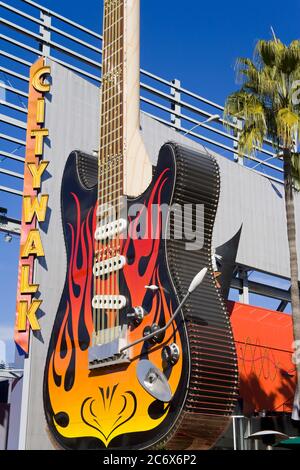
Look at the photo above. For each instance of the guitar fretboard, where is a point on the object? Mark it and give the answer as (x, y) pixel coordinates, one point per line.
(110, 182)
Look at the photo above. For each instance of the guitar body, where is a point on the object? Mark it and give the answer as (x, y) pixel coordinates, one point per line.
(108, 407)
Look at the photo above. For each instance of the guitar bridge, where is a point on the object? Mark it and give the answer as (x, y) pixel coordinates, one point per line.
(108, 353)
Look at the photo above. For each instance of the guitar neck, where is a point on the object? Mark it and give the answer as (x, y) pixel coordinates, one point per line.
(111, 155)
(123, 160)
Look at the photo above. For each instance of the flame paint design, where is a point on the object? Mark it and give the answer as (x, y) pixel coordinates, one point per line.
(99, 406)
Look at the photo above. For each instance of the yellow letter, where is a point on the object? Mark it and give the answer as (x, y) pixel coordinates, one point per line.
(35, 207)
(24, 313)
(37, 82)
(33, 245)
(39, 135)
(40, 111)
(37, 172)
(25, 287)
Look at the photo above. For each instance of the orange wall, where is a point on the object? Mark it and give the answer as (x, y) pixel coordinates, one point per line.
(264, 348)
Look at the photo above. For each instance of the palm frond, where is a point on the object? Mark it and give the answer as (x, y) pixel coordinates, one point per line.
(265, 103)
(288, 126)
(266, 52)
(250, 137)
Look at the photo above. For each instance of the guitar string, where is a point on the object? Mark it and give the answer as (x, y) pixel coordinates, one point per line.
(108, 179)
(111, 201)
(115, 313)
(115, 66)
(101, 311)
(120, 147)
(100, 189)
(118, 141)
(112, 275)
(107, 156)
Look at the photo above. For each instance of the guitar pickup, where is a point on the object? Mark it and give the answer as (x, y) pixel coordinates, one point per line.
(110, 230)
(109, 266)
(109, 302)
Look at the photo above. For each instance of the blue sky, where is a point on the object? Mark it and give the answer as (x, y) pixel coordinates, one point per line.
(197, 41)
(194, 41)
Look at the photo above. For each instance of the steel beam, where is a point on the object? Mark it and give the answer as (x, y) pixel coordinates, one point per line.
(262, 289)
(16, 192)
(8, 225)
(13, 174)
(13, 122)
(12, 156)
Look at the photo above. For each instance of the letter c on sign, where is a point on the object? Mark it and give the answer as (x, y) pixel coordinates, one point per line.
(37, 82)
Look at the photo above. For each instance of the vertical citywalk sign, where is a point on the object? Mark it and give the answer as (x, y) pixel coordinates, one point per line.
(34, 208)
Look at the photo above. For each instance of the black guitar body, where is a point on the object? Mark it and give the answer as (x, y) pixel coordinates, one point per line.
(108, 408)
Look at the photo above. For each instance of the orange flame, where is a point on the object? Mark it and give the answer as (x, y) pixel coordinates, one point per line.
(105, 404)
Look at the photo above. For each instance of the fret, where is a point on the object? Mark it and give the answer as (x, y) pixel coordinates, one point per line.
(111, 75)
(112, 160)
(115, 40)
(112, 42)
(110, 133)
(105, 109)
(111, 138)
(108, 178)
(105, 179)
(106, 89)
(111, 5)
(105, 171)
(113, 109)
(108, 188)
(118, 115)
(110, 65)
(112, 199)
(109, 145)
(109, 116)
(107, 132)
(104, 152)
(114, 53)
(113, 92)
(110, 196)
(105, 182)
(113, 24)
(115, 95)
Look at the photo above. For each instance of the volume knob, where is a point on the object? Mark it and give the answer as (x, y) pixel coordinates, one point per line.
(157, 338)
(170, 354)
(137, 315)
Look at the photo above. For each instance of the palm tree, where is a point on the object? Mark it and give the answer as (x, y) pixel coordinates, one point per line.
(268, 106)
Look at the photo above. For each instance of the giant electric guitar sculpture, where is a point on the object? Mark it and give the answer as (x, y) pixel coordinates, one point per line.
(177, 388)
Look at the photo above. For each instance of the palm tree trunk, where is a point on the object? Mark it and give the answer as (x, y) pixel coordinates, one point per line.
(291, 233)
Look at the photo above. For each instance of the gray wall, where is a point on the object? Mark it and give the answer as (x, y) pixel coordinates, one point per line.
(72, 117)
